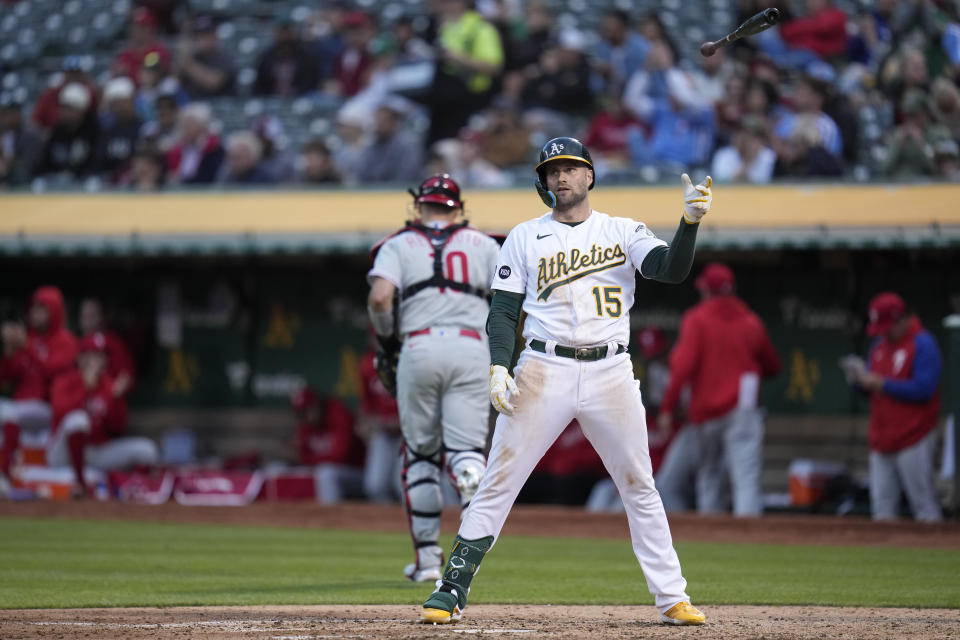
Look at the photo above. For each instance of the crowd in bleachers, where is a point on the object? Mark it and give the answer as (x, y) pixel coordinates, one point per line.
(152, 94)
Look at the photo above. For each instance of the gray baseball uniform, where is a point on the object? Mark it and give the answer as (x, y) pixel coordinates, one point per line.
(442, 371)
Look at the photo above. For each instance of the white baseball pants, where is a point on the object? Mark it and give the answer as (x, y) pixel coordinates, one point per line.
(605, 398)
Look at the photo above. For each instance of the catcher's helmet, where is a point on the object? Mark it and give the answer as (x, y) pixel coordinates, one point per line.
(559, 149)
(439, 189)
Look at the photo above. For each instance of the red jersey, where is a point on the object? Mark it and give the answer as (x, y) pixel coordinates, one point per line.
(69, 393)
(46, 354)
(332, 440)
(897, 423)
(46, 111)
(375, 400)
(824, 33)
(720, 340)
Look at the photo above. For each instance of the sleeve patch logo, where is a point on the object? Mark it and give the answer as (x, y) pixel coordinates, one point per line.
(504, 272)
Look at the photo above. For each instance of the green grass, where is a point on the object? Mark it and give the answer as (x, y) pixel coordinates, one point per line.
(79, 563)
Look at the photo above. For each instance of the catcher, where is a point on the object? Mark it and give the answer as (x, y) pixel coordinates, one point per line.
(428, 303)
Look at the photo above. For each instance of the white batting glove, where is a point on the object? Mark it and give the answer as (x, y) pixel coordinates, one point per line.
(501, 384)
(696, 199)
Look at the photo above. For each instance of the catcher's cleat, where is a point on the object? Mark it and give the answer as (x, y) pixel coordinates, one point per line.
(683, 613)
(443, 607)
(425, 574)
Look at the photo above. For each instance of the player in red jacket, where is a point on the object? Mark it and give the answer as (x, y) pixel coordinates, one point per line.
(380, 421)
(120, 364)
(32, 357)
(722, 352)
(326, 441)
(902, 378)
(88, 429)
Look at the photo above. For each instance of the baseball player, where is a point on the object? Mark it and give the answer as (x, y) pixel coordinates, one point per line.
(572, 270)
(440, 270)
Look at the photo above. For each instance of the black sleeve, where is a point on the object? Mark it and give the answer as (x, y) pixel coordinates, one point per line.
(502, 325)
(672, 263)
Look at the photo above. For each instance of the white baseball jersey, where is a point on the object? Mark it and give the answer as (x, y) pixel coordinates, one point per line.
(578, 280)
(407, 258)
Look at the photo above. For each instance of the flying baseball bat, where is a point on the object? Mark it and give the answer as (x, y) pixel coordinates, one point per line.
(751, 26)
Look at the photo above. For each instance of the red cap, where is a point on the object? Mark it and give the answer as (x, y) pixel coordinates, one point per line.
(92, 342)
(717, 278)
(142, 15)
(303, 398)
(652, 341)
(885, 309)
(441, 189)
(356, 19)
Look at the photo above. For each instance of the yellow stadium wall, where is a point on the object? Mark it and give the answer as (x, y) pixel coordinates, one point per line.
(353, 211)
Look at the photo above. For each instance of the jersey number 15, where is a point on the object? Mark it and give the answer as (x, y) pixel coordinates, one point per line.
(608, 303)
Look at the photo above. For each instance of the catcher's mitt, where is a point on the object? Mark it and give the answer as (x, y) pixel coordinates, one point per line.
(385, 361)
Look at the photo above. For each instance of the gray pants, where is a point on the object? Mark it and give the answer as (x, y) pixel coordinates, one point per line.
(732, 444)
(33, 416)
(116, 454)
(677, 475)
(382, 468)
(909, 470)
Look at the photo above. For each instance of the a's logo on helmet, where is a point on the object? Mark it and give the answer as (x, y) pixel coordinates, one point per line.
(555, 149)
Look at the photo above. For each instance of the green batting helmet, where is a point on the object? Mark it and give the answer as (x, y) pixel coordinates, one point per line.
(559, 149)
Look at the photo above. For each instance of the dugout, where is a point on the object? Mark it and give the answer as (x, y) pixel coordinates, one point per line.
(231, 300)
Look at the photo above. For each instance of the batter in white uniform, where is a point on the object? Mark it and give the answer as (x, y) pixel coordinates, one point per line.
(440, 269)
(572, 270)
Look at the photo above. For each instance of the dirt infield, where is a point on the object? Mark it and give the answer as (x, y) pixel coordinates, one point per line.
(499, 621)
(523, 520)
(393, 622)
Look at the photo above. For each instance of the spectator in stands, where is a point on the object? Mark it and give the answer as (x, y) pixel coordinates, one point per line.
(20, 146)
(680, 119)
(316, 165)
(469, 59)
(275, 162)
(89, 418)
(71, 147)
(166, 12)
(807, 141)
(730, 109)
(748, 159)
(197, 155)
(619, 53)
(203, 68)
(393, 154)
(946, 158)
(722, 352)
(561, 82)
(506, 142)
(380, 421)
(119, 130)
(142, 42)
(524, 48)
(326, 441)
(902, 72)
(809, 95)
(902, 377)
(325, 30)
(463, 157)
(909, 149)
(823, 30)
(608, 133)
(46, 110)
(242, 166)
(711, 78)
(945, 103)
(407, 46)
(286, 68)
(33, 355)
(147, 169)
(351, 70)
(351, 143)
(162, 130)
(154, 81)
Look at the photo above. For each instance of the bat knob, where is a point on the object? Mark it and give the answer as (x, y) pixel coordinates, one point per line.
(771, 15)
(707, 49)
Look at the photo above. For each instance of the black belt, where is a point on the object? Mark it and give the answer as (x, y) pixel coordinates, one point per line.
(577, 353)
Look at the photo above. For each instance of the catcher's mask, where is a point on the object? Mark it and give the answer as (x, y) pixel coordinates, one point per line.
(439, 189)
(559, 149)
